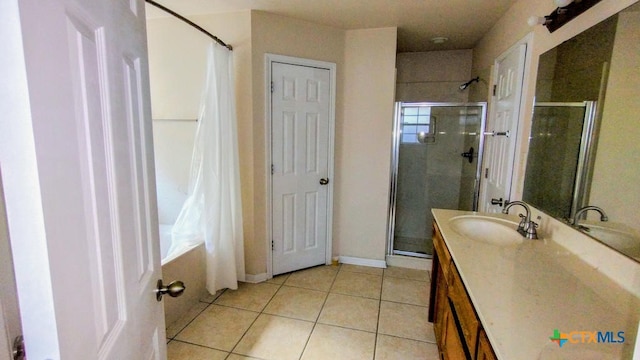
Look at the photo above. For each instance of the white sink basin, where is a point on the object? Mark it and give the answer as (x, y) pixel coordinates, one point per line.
(487, 229)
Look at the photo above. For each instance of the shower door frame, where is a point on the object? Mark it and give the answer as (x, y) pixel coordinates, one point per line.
(395, 156)
(586, 154)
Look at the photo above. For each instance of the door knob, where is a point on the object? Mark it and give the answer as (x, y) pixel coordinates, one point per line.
(173, 289)
(496, 202)
(324, 181)
(19, 352)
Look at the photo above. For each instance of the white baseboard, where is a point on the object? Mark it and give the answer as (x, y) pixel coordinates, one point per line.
(257, 278)
(409, 262)
(363, 262)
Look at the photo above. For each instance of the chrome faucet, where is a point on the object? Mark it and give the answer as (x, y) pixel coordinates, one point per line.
(526, 227)
(603, 215)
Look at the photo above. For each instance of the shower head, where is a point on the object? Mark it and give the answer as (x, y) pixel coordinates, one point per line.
(466, 85)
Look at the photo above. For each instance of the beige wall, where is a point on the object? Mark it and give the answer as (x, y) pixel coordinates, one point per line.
(291, 37)
(363, 144)
(177, 60)
(433, 76)
(617, 167)
(510, 29)
(177, 54)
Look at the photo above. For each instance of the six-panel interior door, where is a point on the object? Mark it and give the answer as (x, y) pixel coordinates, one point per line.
(500, 147)
(90, 101)
(10, 326)
(300, 148)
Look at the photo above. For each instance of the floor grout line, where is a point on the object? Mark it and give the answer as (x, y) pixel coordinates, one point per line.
(190, 321)
(199, 345)
(304, 348)
(375, 342)
(405, 303)
(215, 297)
(254, 320)
(326, 293)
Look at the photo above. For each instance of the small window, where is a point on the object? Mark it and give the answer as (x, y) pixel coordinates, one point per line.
(417, 125)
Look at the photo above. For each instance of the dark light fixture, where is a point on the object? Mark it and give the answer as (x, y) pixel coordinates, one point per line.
(563, 15)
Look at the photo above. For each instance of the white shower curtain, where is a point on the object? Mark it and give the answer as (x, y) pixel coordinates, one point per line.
(213, 210)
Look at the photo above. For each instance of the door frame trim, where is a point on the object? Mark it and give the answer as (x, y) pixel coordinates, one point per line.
(525, 119)
(269, 60)
(517, 166)
(395, 156)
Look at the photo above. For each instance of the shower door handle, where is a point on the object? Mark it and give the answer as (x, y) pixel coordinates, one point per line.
(468, 155)
(324, 181)
(496, 202)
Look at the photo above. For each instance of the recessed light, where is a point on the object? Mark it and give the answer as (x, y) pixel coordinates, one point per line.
(439, 40)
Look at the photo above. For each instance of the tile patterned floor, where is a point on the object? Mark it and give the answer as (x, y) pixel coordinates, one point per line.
(326, 312)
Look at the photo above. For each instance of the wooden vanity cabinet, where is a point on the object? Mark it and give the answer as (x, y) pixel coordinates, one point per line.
(452, 346)
(485, 351)
(439, 302)
(458, 331)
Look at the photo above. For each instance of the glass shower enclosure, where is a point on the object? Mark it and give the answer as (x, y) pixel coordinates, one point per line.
(560, 153)
(436, 157)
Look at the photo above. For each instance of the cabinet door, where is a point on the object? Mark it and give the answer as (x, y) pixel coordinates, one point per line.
(485, 352)
(440, 305)
(439, 291)
(464, 309)
(452, 347)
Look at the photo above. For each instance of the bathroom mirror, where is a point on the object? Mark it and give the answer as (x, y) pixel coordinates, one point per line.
(584, 147)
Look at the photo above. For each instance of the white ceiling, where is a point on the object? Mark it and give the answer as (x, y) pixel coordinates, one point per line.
(464, 22)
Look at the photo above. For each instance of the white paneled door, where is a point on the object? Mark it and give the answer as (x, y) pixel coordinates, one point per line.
(90, 121)
(10, 326)
(300, 107)
(503, 124)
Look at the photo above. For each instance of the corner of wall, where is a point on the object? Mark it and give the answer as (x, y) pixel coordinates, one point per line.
(363, 143)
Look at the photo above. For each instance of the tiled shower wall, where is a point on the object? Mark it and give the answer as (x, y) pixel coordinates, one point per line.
(435, 175)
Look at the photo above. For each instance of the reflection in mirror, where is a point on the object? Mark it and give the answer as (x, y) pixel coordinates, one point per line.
(560, 137)
(584, 147)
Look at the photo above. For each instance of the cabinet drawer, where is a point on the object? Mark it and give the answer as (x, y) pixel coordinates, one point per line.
(464, 310)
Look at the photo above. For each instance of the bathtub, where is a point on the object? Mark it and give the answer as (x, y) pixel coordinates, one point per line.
(189, 267)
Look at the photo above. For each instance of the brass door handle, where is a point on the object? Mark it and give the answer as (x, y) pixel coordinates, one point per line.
(19, 352)
(173, 289)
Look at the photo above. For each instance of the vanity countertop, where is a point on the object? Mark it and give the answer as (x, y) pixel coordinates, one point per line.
(523, 292)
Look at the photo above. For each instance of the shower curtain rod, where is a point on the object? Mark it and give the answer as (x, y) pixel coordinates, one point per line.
(164, 8)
